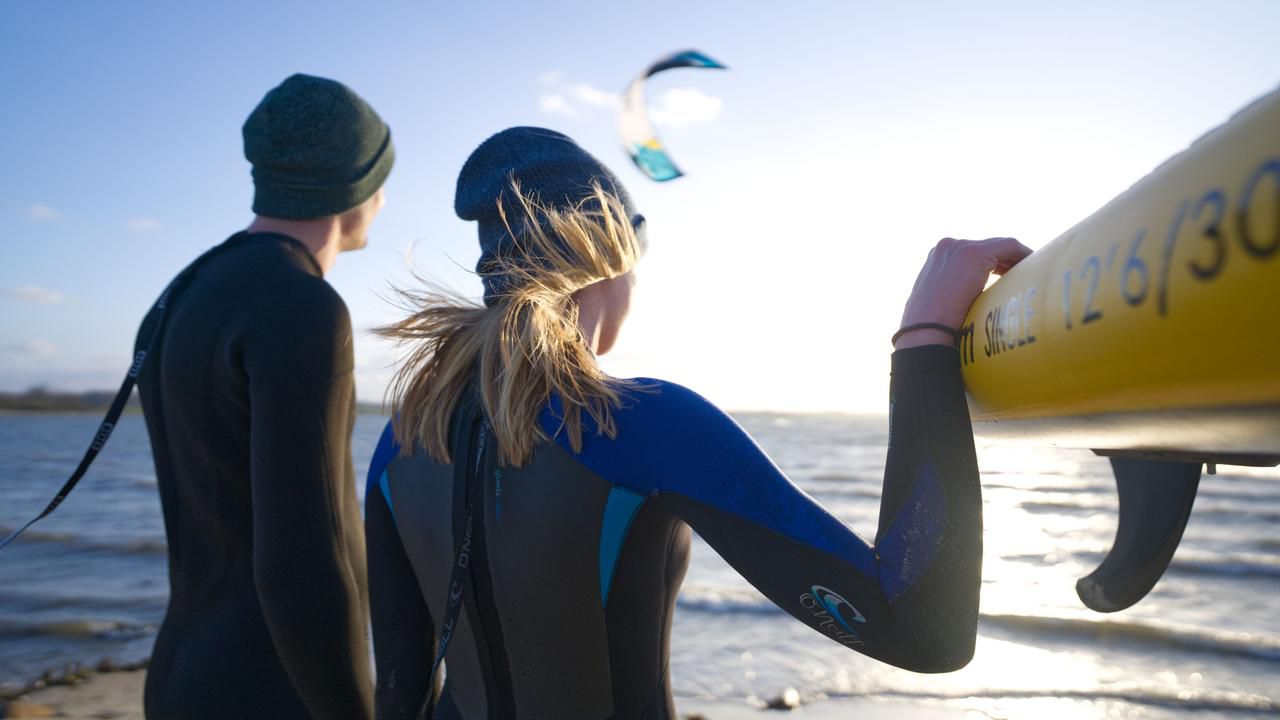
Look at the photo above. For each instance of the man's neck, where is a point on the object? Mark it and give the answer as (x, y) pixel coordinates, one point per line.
(320, 236)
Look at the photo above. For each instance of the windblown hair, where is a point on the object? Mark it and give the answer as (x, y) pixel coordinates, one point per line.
(527, 346)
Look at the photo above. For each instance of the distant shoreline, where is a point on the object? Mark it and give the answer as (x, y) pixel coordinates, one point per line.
(133, 409)
(43, 401)
(13, 412)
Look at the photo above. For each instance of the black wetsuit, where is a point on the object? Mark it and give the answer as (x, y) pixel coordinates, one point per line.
(575, 559)
(249, 402)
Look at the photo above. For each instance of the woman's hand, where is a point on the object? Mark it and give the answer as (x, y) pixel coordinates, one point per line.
(953, 276)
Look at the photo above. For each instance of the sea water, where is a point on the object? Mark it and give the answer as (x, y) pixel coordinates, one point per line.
(89, 581)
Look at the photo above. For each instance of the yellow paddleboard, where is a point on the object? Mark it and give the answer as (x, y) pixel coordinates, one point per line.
(1154, 324)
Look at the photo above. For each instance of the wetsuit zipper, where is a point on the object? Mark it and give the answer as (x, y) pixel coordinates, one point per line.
(500, 698)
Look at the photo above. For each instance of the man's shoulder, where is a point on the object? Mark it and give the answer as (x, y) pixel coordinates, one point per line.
(270, 299)
(313, 294)
(279, 281)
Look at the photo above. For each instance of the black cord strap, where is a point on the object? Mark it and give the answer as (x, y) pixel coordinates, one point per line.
(117, 405)
(955, 334)
(467, 483)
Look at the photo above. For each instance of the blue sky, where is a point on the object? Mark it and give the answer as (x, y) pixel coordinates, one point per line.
(843, 141)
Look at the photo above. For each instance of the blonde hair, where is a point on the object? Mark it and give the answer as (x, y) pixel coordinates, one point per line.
(525, 348)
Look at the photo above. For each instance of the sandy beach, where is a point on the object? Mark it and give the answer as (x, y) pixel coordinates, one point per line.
(101, 696)
(118, 696)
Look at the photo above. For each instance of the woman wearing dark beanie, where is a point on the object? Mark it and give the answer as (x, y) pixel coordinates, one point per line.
(529, 516)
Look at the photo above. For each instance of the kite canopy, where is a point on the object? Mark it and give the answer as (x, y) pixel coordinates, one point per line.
(638, 135)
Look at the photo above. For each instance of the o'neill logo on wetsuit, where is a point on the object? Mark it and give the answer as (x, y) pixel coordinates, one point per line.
(833, 613)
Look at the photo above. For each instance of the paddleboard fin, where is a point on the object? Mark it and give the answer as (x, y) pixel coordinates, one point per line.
(1155, 502)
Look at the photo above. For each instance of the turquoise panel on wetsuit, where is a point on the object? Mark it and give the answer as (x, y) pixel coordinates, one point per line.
(619, 511)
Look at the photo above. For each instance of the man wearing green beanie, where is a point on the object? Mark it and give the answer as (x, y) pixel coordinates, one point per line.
(249, 400)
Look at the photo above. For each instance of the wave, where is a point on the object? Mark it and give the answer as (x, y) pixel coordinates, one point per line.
(1055, 489)
(12, 598)
(1056, 507)
(1180, 698)
(726, 602)
(844, 492)
(1236, 513)
(1219, 642)
(76, 629)
(1090, 505)
(829, 477)
(136, 546)
(1234, 565)
(1054, 556)
(1237, 493)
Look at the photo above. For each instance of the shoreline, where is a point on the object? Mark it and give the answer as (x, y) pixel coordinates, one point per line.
(69, 676)
(116, 694)
(104, 692)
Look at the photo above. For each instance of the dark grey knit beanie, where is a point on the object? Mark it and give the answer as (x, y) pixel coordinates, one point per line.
(545, 163)
(317, 149)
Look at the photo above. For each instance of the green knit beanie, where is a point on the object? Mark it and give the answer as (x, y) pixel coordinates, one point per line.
(317, 149)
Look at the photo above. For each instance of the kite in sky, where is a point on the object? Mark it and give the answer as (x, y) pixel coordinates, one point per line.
(638, 135)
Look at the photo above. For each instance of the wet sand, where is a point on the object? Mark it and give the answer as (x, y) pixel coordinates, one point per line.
(118, 696)
(100, 696)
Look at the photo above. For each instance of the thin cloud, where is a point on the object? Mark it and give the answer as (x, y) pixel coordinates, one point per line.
(561, 97)
(556, 104)
(38, 347)
(42, 212)
(673, 108)
(33, 293)
(595, 97)
(679, 107)
(143, 224)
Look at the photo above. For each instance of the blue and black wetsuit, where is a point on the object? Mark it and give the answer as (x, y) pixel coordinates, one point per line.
(576, 558)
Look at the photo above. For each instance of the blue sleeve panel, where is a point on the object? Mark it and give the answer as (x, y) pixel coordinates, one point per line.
(672, 440)
(911, 543)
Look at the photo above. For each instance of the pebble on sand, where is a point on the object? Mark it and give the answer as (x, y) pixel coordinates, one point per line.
(788, 700)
